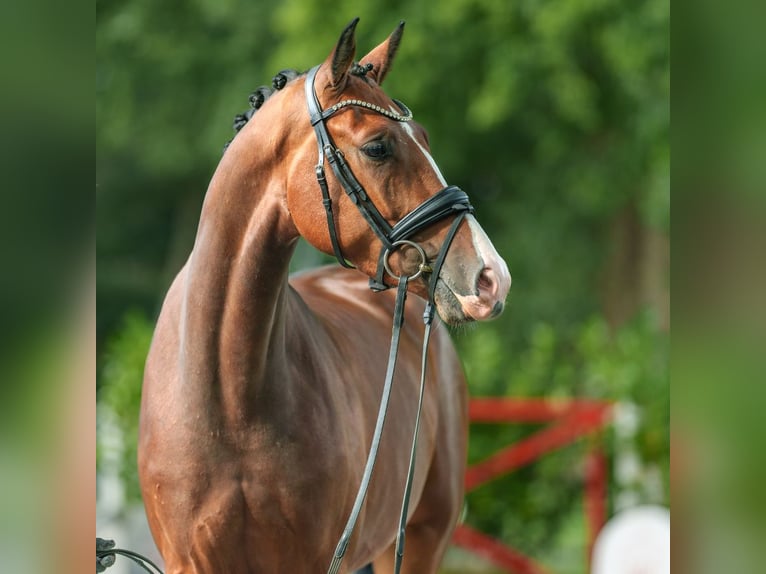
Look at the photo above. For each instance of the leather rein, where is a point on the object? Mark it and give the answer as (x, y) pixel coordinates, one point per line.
(449, 202)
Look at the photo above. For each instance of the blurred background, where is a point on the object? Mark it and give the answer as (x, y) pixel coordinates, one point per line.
(552, 115)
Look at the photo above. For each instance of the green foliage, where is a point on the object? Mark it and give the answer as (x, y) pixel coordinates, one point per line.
(121, 375)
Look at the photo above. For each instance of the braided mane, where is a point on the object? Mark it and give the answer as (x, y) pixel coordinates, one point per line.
(279, 81)
(259, 97)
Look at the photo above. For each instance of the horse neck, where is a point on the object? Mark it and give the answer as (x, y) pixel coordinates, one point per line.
(233, 314)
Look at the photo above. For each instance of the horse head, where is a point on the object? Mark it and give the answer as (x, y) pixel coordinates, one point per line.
(385, 207)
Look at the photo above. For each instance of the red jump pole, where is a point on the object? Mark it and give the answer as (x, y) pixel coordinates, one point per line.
(580, 421)
(595, 495)
(495, 551)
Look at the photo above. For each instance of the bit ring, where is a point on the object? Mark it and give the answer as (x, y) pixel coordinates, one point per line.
(423, 267)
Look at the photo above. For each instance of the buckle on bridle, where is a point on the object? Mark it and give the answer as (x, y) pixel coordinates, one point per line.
(423, 266)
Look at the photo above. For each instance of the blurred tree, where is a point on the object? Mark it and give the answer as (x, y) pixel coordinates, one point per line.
(169, 80)
(553, 116)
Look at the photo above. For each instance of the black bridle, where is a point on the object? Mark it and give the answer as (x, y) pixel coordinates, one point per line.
(449, 202)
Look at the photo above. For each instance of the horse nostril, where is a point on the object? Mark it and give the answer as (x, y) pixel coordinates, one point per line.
(487, 282)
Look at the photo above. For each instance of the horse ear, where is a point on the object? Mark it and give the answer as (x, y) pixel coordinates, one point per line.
(342, 57)
(382, 56)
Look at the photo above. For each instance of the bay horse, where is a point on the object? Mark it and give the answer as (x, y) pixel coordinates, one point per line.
(261, 390)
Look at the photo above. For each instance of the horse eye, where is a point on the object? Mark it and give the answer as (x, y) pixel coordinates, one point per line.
(376, 149)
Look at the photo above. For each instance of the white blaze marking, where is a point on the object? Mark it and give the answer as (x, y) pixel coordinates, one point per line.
(430, 159)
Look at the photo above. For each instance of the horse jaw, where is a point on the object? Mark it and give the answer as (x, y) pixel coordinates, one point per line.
(476, 289)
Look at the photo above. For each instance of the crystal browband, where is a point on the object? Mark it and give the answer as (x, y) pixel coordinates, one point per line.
(405, 117)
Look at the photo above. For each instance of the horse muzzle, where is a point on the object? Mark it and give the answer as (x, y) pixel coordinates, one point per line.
(475, 287)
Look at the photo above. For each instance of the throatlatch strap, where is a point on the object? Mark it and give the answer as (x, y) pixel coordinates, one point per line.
(322, 140)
